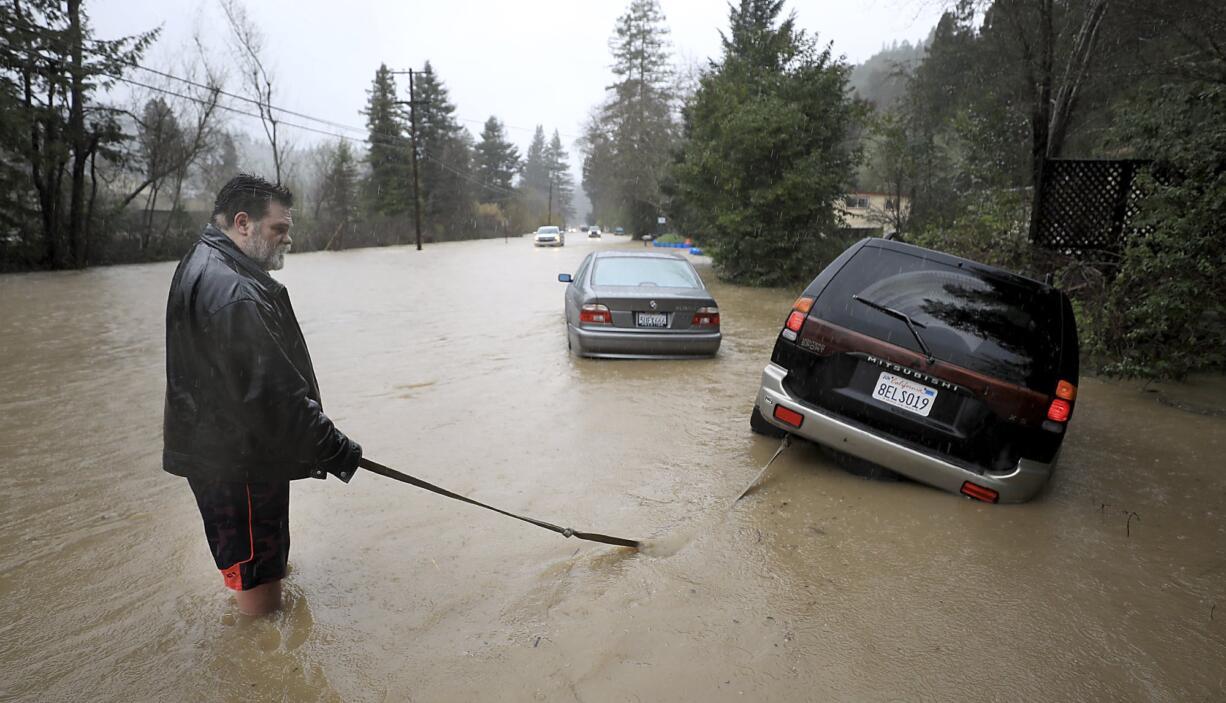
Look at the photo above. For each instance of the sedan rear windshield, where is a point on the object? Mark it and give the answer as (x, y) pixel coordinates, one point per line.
(1004, 328)
(643, 271)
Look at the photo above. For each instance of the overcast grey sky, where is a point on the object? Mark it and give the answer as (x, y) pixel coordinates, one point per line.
(528, 62)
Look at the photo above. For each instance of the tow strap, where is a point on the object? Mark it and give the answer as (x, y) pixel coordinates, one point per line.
(787, 442)
(382, 470)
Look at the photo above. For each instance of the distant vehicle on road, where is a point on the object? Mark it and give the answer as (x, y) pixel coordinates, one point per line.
(909, 361)
(549, 236)
(593, 233)
(592, 229)
(639, 305)
(618, 230)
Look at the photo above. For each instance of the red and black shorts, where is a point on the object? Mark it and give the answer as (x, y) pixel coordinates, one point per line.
(247, 526)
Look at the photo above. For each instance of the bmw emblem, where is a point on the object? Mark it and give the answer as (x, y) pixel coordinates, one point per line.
(652, 304)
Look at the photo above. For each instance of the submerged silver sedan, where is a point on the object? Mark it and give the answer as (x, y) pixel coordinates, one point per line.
(639, 306)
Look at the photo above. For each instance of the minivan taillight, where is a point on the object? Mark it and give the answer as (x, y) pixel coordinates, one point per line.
(1059, 410)
(796, 320)
(595, 315)
(705, 317)
(1062, 405)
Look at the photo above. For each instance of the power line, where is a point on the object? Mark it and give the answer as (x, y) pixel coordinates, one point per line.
(330, 123)
(268, 106)
(511, 126)
(302, 115)
(461, 174)
(312, 118)
(227, 108)
(372, 137)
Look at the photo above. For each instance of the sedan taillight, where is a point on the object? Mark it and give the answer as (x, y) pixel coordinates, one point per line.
(595, 315)
(705, 317)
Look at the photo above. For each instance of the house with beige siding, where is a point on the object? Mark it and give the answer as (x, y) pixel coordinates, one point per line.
(873, 213)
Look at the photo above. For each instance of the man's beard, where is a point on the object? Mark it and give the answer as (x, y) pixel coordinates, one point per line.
(270, 255)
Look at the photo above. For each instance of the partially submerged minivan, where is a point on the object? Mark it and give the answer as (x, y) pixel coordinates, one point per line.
(953, 373)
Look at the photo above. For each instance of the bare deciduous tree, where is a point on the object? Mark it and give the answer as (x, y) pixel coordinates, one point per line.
(166, 148)
(257, 79)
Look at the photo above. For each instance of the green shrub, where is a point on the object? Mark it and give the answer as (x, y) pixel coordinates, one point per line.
(769, 149)
(992, 229)
(1164, 315)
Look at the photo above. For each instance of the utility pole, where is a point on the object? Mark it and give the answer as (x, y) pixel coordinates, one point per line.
(549, 213)
(412, 103)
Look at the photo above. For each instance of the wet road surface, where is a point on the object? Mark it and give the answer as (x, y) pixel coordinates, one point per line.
(451, 364)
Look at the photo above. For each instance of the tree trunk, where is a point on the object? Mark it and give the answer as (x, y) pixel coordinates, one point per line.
(1040, 114)
(93, 194)
(1074, 74)
(77, 139)
(35, 155)
(151, 204)
(175, 201)
(43, 167)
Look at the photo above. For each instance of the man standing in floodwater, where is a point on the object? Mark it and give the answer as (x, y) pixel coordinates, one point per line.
(243, 415)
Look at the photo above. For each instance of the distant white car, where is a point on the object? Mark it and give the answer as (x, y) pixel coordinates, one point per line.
(549, 236)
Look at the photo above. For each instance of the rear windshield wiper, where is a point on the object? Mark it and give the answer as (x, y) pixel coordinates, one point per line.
(911, 324)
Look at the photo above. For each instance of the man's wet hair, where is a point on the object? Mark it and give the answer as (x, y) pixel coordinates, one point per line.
(249, 194)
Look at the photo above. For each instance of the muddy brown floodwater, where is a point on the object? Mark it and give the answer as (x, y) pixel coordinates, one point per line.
(451, 364)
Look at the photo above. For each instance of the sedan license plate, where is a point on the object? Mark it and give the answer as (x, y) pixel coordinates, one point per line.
(905, 393)
(651, 319)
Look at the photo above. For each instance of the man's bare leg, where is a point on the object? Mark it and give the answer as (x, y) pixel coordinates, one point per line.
(261, 600)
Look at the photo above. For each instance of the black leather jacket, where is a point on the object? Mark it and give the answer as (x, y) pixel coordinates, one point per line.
(242, 402)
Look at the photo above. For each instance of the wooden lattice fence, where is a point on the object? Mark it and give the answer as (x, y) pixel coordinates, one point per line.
(1086, 206)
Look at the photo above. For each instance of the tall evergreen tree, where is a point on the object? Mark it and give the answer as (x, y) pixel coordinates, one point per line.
(161, 143)
(563, 188)
(598, 179)
(219, 165)
(338, 210)
(767, 154)
(388, 188)
(534, 181)
(51, 68)
(636, 121)
(757, 37)
(444, 159)
(536, 167)
(497, 162)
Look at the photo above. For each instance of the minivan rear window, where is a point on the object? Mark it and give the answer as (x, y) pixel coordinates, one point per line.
(1000, 327)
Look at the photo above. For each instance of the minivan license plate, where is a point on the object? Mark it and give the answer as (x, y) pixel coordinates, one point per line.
(652, 319)
(905, 393)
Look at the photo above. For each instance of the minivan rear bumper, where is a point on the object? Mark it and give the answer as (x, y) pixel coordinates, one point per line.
(1018, 485)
